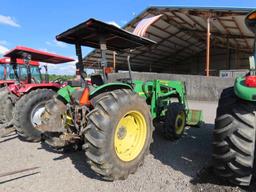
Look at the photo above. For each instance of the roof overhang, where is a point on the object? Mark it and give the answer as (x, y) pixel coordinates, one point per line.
(180, 34)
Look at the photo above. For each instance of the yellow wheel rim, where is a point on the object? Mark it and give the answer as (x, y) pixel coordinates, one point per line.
(180, 122)
(130, 136)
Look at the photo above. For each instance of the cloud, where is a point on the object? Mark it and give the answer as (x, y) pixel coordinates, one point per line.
(7, 20)
(3, 48)
(114, 23)
(56, 43)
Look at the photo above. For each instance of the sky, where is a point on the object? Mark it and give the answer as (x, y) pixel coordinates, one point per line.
(36, 23)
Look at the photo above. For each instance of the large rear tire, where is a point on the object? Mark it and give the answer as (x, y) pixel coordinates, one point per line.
(27, 112)
(118, 134)
(234, 139)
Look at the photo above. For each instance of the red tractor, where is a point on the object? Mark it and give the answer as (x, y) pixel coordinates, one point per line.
(7, 77)
(25, 100)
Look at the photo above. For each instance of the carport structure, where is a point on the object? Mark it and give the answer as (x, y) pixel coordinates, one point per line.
(189, 40)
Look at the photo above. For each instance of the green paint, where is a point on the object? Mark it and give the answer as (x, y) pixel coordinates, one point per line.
(157, 93)
(66, 92)
(116, 85)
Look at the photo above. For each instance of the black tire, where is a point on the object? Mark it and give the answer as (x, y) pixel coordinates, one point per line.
(8, 107)
(22, 113)
(169, 128)
(99, 134)
(3, 96)
(234, 139)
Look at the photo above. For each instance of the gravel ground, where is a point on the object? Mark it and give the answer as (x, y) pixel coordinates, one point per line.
(182, 166)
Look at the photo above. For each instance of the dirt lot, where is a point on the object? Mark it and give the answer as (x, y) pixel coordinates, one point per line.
(182, 166)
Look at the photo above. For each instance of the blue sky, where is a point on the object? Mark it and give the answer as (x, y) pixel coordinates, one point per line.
(36, 23)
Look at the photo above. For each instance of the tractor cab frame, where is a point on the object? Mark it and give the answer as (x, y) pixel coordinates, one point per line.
(7, 71)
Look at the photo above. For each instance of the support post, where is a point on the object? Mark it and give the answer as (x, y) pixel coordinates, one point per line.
(14, 67)
(27, 59)
(114, 60)
(79, 66)
(208, 47)
(103, 62)
(129, 67)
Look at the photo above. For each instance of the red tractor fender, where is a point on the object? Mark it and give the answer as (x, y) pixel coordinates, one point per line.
(20, 89)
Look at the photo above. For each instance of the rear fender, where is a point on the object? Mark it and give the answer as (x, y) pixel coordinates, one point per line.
(109, 87)
(21, 89)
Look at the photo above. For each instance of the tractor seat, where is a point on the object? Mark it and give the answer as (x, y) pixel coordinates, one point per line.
(97, 80)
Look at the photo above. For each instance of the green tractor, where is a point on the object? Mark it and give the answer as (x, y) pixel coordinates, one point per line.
(235, 125)
(113, 121)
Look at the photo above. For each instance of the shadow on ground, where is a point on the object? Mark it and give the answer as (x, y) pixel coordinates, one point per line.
(191, 155)
(187, 154)
(78, 160)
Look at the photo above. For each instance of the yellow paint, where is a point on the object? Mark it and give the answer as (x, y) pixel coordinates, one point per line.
(130, 136)
(180, 122)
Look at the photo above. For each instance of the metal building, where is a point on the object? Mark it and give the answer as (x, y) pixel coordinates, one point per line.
(200, 41)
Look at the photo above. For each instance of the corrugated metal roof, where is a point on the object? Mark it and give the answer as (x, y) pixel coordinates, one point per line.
(181, 33)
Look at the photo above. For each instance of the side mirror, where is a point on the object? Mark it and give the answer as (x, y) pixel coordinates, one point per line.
(250, 21)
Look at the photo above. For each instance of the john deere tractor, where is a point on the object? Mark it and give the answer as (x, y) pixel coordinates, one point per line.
(235, 125)
(113, 121)
(24, 101)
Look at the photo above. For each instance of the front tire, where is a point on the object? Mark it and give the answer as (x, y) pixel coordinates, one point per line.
(27, 113)
(118, 134)
(175, 122)
(234, 139)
